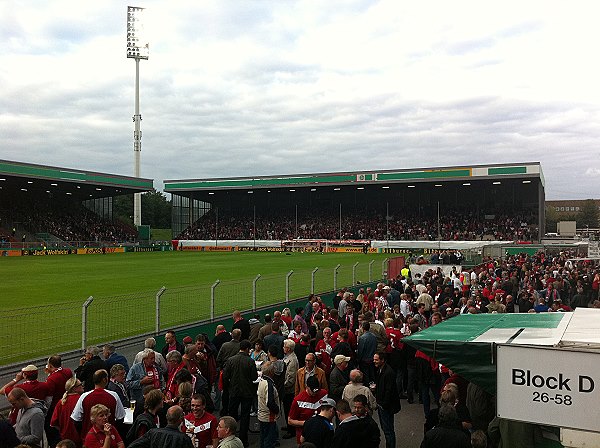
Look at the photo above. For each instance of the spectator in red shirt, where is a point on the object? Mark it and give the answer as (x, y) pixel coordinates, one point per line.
(201, 424)
(61, 417)
(305, 405)
(102, 434)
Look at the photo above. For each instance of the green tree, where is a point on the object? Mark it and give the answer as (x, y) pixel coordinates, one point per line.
(123, 208)
(588, 214)
(156, 210)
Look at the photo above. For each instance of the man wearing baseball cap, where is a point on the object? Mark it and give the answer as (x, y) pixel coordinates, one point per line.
(339, 377)
(319, 428)
(27, 379)
(305, 405)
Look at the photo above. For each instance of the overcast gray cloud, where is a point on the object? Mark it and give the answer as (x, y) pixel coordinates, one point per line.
(237, 88)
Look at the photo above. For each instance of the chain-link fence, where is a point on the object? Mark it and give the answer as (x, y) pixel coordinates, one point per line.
(36, 331)
(68, 326)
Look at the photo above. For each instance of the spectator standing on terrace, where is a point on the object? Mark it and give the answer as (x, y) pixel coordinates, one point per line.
(158, 357)
(266, 329)
(299, 317)
(117, 384)
(386, 394)
(347, 433)
(111, 357)
(201, 424)
(221, 336)
(147, 420)
(31, 386)
(339, 377)
(172, 344)
(283, 326)
(268, 406)
(274, 339)
(367, 347)
(167, 437)
(206, 359)
(102, 434)
(56, 381)
(61, 417)
(308, 371)
(319, 428)
(99, 395)
(370, 430)
(255, 325)
(88, 365)
(355, 387)
(29, 426)
(291, 371)
(176, 364)
(226, 431)
(242, 324)
(305, 405)
(145, 373)
(239, 374)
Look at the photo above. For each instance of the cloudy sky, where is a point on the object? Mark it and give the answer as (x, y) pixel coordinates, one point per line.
(239, 88)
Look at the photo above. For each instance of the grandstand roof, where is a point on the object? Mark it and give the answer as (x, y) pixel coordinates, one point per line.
(79, 184)
(530, 170)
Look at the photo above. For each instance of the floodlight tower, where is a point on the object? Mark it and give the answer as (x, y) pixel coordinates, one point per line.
(137, 48)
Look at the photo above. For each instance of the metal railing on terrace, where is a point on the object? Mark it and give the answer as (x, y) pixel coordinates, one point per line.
(68, 326)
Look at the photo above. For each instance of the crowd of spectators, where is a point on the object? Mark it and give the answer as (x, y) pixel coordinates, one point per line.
(74, 223)
(328, 368)
(453, 226)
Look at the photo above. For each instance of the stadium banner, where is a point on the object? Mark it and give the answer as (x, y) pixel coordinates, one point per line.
(258, 249)
(218, 248)
(355, 250)
(159, 248)
(10, 253)
(100, 250)
(44, 252)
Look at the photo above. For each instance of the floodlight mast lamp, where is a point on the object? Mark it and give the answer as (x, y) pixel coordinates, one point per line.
(137, 48)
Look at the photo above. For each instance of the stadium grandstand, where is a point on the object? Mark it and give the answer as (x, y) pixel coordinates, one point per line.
(463, 203)
(60, 207)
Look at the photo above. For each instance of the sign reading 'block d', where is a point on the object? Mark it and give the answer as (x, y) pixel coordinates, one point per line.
(549, 386)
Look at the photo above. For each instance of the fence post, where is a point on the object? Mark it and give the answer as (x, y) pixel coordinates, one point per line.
(212, 299)
(254, 292)
(371, 270)
(84, 322)
(354, 273)
(312, 280)
(335, 274)
(158, 295)
(287, 286)
(384, 269)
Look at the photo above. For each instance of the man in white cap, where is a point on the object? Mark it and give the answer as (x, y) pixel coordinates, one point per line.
(27, 379)
(339, 377)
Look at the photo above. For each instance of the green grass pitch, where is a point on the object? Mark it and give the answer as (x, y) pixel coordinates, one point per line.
(41, 297)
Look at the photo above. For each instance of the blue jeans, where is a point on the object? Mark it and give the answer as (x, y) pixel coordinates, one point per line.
(386, 420)
(268, 434)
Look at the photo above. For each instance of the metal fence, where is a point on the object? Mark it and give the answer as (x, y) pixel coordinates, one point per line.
(58, 328)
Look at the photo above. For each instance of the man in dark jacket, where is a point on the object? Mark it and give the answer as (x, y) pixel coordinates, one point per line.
(88, 365)
(168, 437)
(171, 343)
(386, 394)
(447, 433)
(242, 324)
(338, 379)
(239, 374)
(275, 338)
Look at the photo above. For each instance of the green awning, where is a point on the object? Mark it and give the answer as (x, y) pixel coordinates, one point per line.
(467, 343)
